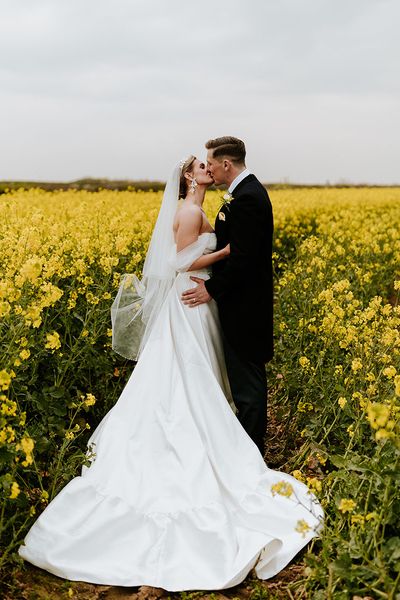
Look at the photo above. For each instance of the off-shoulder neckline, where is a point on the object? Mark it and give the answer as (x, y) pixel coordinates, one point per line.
(204, 233)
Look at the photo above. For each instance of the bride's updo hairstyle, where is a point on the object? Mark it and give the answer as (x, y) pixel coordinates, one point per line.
(187, 167)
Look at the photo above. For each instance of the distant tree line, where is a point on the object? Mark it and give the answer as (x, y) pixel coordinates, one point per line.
(94, 185)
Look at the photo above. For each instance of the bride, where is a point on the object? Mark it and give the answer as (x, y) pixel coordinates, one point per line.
(176, 495)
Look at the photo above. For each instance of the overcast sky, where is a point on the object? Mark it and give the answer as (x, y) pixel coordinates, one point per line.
(125, 88)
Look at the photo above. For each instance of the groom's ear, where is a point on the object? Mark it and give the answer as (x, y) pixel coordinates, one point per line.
(226, 163)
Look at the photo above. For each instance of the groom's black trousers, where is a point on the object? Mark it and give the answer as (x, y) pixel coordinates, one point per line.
(248, 383)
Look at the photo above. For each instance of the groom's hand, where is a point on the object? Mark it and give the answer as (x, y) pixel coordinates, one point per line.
(197, 295)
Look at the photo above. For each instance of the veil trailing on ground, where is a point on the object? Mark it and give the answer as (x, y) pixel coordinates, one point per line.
(138, 303)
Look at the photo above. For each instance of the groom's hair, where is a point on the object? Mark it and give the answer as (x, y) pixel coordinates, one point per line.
(229, 147)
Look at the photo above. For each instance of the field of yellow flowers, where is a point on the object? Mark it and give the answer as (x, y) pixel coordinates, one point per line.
(334, 381)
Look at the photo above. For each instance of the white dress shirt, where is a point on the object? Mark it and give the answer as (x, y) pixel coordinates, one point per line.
(238, 179)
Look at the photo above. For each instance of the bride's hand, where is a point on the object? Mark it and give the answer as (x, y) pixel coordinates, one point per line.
(227, 250)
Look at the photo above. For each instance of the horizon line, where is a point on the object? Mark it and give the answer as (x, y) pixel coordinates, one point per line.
(285, 181)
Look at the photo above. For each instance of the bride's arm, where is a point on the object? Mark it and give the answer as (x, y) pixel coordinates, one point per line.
(188, 231)
(209, 259)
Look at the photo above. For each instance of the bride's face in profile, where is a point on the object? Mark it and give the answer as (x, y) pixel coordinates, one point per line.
(200, 173)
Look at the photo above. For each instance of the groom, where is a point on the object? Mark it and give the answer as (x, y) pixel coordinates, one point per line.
(242, 283)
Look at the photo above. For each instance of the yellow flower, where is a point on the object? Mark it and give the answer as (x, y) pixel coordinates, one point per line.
(7, 434)
(90, 400)
(383, 434)
(15, 490)
(390, 371)
(5, 379)
(27, 444)
(71, 303)
(314, 483)
(5, 309)
(304, 406)
(377, 414)
(397, 385)
(357, 519)
(53, 340)
(341, 286)
(32, 315)
(31, 269)
(397, 284)
(304, 362)
(84, 333)
(91, 298)
(69, 435)
(27, 461)
(302, 527)
(321, 458)
(342, 402)
(8, 407)
(347, 505)
(298, 475)
(283, 488)
(25, 354)
(371, 515)
(356, 364)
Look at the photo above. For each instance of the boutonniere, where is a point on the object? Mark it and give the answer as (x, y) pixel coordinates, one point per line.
(227, 197)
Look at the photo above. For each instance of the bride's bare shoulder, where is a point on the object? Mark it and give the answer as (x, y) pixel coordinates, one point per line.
(188, 214)
(188, 209)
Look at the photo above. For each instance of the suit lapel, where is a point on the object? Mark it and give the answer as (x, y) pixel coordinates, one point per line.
(221, 226)
(222, 219)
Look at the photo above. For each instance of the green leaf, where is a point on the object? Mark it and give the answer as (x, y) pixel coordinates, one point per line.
(6, 456)
(391, 549)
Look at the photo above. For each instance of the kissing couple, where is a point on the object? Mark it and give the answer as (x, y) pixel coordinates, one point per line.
(177, 494)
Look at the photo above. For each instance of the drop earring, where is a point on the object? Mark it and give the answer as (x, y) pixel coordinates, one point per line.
(193, 185)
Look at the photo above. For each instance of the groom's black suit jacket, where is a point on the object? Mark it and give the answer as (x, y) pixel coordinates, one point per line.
(242, 284)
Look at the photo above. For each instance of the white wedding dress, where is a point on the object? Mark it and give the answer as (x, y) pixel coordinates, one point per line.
(178, 495)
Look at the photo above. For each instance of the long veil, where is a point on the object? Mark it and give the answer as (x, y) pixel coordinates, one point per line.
(138, 303)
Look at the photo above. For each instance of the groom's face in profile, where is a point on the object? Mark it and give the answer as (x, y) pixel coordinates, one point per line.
(215, 168)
